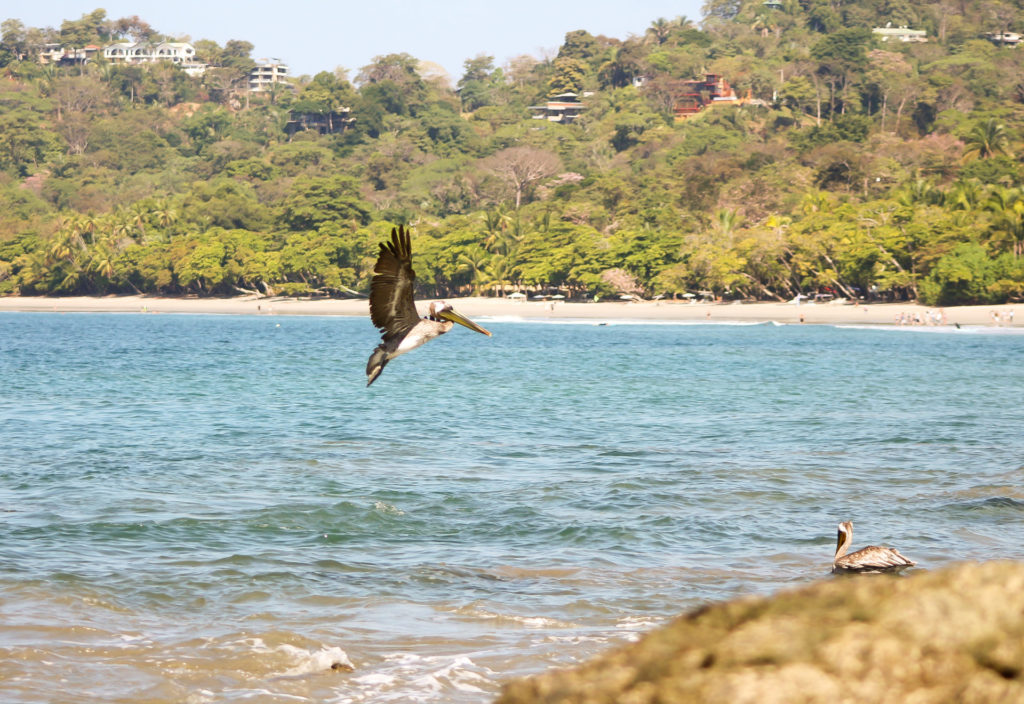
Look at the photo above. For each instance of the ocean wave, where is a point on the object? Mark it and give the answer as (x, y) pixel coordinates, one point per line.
(408, 677)
(937, 329)
(601, 322)
(476, 612)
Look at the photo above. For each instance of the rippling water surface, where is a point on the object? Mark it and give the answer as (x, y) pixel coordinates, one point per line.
(215, 508)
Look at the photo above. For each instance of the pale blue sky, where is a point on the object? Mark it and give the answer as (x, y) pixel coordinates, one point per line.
(320, 35)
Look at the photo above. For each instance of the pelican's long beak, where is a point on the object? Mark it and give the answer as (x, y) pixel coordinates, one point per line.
(461, 320)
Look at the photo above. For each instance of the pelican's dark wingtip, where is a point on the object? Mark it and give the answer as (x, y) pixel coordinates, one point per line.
(375, 365)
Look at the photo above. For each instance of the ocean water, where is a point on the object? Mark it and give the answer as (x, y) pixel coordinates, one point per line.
(215, 508)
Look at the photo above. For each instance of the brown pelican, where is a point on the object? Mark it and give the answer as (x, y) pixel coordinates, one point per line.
(393, 311)
(869, 559)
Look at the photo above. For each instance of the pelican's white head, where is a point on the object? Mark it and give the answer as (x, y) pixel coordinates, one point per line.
(844, 537)
(437, 307)
(441, 311)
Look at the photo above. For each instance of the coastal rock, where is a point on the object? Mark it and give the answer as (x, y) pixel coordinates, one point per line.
(954, 635)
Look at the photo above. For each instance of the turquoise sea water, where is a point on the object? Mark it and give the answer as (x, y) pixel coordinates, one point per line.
(215, 508)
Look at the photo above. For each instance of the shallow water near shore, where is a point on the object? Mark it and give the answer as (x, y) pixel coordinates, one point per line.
(214, 508)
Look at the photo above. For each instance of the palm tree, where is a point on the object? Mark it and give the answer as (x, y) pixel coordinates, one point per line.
(87, 224)
(764, 22)
(726, 223)
(164, 215)
(102, 261)
(499, 273)
(1007, 205)
(659, 30)
(919, 191)
(964, 195)
(33, 268)
(473, 260)
(989, 138)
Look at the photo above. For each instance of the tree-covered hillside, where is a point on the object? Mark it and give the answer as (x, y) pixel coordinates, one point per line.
(850, 164)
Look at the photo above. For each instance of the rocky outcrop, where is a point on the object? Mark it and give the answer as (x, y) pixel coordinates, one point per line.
(954, 635)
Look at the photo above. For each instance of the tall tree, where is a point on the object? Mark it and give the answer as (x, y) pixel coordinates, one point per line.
(521, 167)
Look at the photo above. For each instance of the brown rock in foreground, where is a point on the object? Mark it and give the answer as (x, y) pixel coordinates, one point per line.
(955, 635)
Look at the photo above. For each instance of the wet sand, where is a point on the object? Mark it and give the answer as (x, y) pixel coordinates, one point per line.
(809, 313)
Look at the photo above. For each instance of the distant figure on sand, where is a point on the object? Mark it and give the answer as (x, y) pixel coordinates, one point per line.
(866, 560)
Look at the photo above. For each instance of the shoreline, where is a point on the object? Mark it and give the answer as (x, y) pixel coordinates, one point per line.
(654, 311)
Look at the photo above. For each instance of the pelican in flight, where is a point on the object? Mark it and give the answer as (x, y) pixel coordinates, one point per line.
(869, 559)
(393, 311)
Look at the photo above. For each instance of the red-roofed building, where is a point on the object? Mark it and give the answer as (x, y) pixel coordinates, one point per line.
(701, 93)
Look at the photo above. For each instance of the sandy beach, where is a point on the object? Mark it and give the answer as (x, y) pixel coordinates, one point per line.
(808, 313)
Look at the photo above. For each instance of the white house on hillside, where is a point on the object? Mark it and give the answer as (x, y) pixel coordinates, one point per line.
(888, 33)
(181, 53)
(266, 73)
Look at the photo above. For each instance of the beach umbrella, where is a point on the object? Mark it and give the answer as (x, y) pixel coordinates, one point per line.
(559, 296)
(517, 294)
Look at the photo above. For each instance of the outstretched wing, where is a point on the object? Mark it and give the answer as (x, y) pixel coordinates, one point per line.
(392, 308)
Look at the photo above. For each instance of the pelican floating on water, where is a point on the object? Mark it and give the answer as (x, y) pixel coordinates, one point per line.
(393, 311)
(869, 559)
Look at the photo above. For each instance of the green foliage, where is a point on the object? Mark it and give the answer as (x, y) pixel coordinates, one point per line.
(568, 77)
(312, 202)
(963, 276)
(856, 166)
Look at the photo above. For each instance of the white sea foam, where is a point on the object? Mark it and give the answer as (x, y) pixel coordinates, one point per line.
(374, 679)
(939, 329)
(306, 661)
(408, 677)
(638, 623)
(388, 509)
(457, 674)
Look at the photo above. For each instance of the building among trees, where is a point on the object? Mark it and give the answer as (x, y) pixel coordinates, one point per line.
(564, 108)
(181, 53)
(58, 55)
(699, 94)
(888, 33)
(330, 122)
(266, 73)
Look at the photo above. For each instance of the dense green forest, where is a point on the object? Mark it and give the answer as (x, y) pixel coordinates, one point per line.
(862, 167)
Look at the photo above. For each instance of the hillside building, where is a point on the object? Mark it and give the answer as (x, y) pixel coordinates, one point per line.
(333, 122)
(702, 93)
(564, 108)
(266, 73)
(1003, 38)
(888, 33)
(181, 53)
(55, 54)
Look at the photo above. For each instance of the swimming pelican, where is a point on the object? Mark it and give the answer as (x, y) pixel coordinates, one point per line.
(393, 311)
(869, 559)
